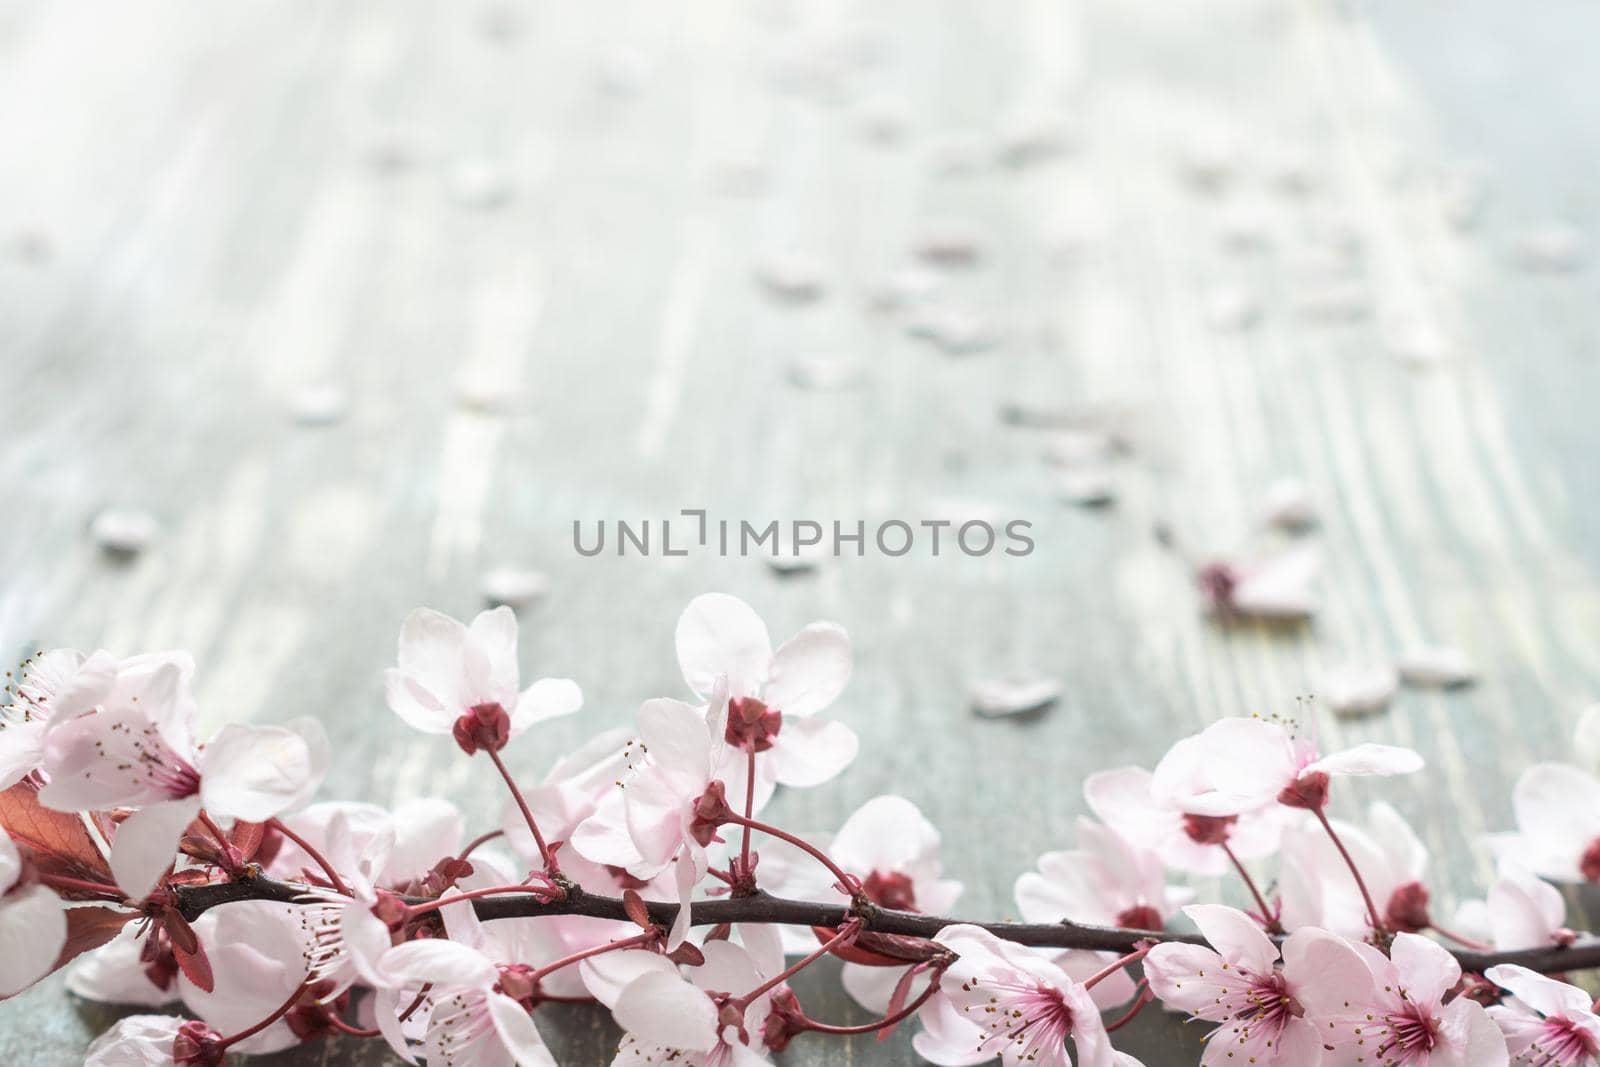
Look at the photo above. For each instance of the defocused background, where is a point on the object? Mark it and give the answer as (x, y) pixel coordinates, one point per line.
(327, 310)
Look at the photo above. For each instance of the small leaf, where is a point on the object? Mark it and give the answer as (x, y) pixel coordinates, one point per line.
(178, 928)
(687, 953)
(634, 905)
(89, 928)
(195, 965)
(58, 842)
(247, 837)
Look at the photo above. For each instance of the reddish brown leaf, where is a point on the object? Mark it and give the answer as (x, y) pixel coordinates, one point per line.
(633, 905)
(179, 930)
(57, 841)
(247, 837)
(876, 950)
(195, 965)
(687, 954)
(89, 928)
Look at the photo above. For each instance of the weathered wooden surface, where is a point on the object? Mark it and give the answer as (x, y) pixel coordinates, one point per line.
(206, 209)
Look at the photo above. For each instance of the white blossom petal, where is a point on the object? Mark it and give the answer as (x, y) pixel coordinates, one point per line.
(663, 1009)
(33, 927)
(811, 751)
(146, 844)
(809, 670)
(255, 772)
(721, 635)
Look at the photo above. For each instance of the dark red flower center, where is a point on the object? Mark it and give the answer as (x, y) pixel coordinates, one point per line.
(1407, 912)
(1140, 917)
(751, 724)
(1209, 829)
(890, 889)
(484, 726)
(1309, 791)
(1590, 863)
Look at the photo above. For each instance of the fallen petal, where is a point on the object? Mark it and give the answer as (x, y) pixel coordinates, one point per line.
(1000, 697)
(123, 531)
(514, 587)
(1437, 666)
(1359, 688)
(1288, 505)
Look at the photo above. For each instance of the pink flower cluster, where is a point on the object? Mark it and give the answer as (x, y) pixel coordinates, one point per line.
(165, 870)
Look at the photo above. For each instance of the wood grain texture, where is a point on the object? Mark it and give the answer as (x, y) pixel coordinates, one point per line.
(208, 209)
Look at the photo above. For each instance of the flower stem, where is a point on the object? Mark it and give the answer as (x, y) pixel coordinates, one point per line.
(1464, 942)
(1372, 909)
(317, 857)
(848, 883)
(481, 839)
(1112, 968)
(845, 933)
(354, 1031)
(749, 809)
(1267, 918)
(282, 1010)
(610, 946)
(1145, 997)
(551, 868)
(885, 1022)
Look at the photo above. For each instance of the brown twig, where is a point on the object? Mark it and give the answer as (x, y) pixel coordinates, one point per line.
(1583, 954)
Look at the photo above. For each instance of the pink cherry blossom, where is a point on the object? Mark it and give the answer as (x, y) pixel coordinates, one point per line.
(1105, 881)
(673, 800)
(1520, 911)
(887, 843)
(894, 850)
(155, 1041)
(772, 696)
(450, 672)
(24, 719)
(256, 951)
(1266, 1013)
(125, 739)
(1024, 1007)
(1548, 1023)
(1318, 890)
(1239, 765)
(482, 988)
(1404, 1018)
(670, 1018)
(662, 808)
(1557, 809)
(590, 783)
(1123, 799)
(33, 924)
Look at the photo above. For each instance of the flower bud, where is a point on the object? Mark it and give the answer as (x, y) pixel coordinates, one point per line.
(484, 726)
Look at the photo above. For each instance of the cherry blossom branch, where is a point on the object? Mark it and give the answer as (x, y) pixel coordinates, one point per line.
(317, 857)
(760, 907)
(847, 884)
